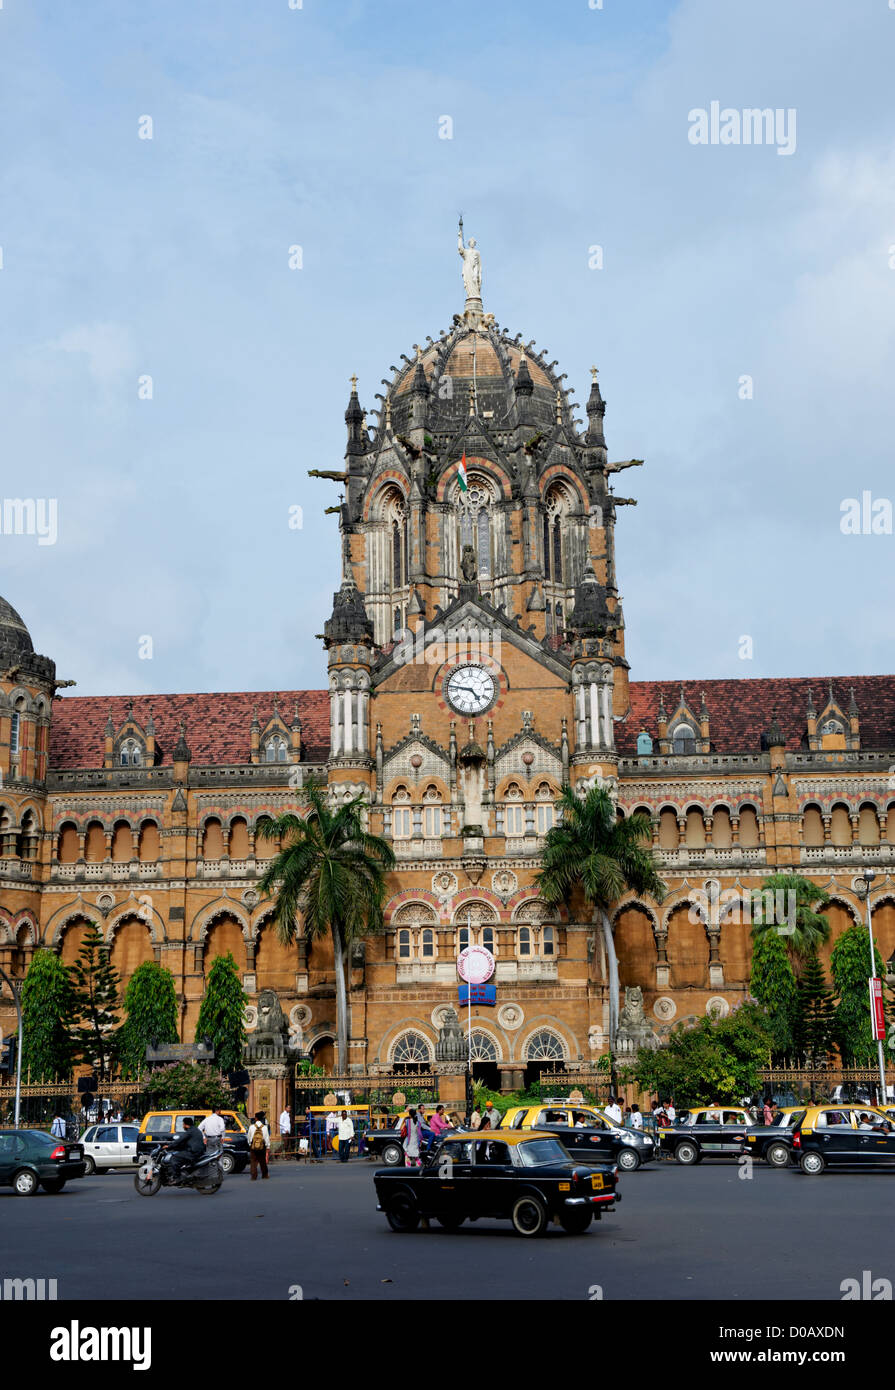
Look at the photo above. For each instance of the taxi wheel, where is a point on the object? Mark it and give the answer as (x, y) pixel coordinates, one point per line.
(226, 1163)
(25, 1183)
(812, 1163)
(89, 1166)
(529, 1215)
(392, 1155)
(629, 1160)
(686, 1153)
(401, 1212)
(778, 1156)
(576, 1222)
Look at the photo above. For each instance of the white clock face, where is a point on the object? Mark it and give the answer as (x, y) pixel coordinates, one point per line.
(470, 689)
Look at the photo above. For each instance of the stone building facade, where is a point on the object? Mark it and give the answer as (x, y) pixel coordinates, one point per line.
(475, 662)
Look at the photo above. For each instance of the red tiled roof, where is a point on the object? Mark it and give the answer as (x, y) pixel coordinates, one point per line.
(740, 711)
(217, 727)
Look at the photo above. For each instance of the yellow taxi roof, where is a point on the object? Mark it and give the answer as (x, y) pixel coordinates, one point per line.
(510, 1136)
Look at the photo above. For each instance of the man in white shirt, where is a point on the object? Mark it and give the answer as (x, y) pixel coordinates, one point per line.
(286, 1130)
(636, 1117)
(346, 1134)
(57, 1128)
(670, 1111)
(212, 1127)
(614, 1111)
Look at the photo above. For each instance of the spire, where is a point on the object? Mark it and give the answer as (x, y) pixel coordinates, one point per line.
(181, 750)
(110, 727)
(354, 419)
(663, 717)
(255, 724)
(524, 384)
(420, 385)
(558, 407)
(810, 711)
(596, 409)
(852, 704)
(150, 725)
(296, 722)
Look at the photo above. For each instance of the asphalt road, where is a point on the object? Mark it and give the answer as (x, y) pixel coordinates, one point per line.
(679, 1233)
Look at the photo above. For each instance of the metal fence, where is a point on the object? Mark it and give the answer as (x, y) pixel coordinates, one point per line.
(796, 1083)
(41, 1103)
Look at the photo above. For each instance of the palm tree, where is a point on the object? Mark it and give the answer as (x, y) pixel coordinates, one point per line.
(787, 904)
(331, 872)
(593, 850)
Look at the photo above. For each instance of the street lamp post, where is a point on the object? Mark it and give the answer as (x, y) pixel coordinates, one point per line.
(864, 891)
(15, 995)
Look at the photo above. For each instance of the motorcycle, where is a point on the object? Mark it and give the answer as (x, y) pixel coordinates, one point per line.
(158, 1171)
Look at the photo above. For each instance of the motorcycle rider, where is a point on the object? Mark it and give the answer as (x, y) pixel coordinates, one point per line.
(186, 1148)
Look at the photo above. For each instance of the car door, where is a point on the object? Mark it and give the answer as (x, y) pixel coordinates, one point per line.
(734, 1131)
(707, 1128)
(492, 1180)
(6, 1157)
(876, 1145)
(447, 1183)
(836, 1137)
(591, 1138)
(106, 1146)
(128, 1144)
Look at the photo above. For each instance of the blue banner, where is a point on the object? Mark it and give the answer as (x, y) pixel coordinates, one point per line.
(481, 994)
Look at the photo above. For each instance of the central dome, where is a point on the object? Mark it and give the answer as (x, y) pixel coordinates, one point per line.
(478, 370)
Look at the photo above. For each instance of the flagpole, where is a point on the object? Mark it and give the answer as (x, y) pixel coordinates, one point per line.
(469, 1000)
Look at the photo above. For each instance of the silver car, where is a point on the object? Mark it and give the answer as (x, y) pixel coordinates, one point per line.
(110, 1146)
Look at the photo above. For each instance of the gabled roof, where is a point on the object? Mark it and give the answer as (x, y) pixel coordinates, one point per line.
(740, 711)
(217, 725)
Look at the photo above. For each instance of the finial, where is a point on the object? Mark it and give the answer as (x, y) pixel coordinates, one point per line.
(558, 407)
(593, 373)
(388, 415)
(418, 350)
(353, 385)
(471, 399)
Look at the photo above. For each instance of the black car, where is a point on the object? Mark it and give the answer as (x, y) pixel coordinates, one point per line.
(522, 1176)
(31, 1158)
(774, 1142)
(716, 1132)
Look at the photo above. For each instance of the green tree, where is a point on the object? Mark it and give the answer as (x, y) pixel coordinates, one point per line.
(788, 904)
(150, 1002)
(96, 985)
(331, 872)
(47, 1001)
(850, 962)
(594, 852)
(773, 984)
(187, 1086)
(815, 1015)
(719, 1059)
(222, 1014)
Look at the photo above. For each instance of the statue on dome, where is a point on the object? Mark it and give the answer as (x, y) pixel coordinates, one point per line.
(472, 265)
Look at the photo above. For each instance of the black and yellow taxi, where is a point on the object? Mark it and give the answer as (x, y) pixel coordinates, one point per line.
(773, 1142)
(524, 1176)
(709, 1131)
(157, 1126)
(586, 1132)
(844, 1136)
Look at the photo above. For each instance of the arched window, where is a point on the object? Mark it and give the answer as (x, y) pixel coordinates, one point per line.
(427, 950)
(464, 938)
(525, 941)
(474, 516)
(402, 815)
(432, 813)
(545, 811)
(484, 1048)
(405, 945)
(131, 753)
(548, 941)
(488, 939)
(275, 749)
(684, 739)
(411, 1052)
(514, 811)
(545, 1046)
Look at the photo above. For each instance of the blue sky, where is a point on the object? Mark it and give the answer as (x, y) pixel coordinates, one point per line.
(319, 126)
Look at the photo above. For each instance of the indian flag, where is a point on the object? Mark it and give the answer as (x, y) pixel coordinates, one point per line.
(461, 474)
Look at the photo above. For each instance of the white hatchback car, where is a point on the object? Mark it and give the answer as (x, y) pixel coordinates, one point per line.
(109, 1146)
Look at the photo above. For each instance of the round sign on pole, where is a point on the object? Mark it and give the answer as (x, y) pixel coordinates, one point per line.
(475, 965)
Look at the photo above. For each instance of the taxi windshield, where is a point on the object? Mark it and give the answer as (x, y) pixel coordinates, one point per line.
(538, 1151)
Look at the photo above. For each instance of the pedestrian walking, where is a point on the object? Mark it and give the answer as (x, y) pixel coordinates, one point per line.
(259, 1145)
(614, 1111)
(286, 1130)
(410, 1139)
(212, 1128)
(57, 1128)
(346, 1135)
(768, 1113)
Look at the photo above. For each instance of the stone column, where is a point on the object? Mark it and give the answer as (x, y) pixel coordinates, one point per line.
(596, 732)
(270, 1089)
(452, 1085)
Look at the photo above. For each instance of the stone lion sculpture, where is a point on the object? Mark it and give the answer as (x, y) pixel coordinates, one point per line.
(632, 1015)
(269, 1038)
